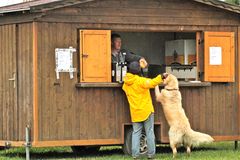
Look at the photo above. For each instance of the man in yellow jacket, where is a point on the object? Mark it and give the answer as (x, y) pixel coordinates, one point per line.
(137, 90)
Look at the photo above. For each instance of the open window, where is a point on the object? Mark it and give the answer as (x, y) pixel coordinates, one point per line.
(190, 56)
(172, 52)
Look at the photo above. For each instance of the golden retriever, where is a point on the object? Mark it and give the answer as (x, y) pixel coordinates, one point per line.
(180, 131)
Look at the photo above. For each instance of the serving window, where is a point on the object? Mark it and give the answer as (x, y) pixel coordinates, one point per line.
(190, 56)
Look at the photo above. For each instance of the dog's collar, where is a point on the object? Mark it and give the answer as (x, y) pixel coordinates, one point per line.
(171, 89)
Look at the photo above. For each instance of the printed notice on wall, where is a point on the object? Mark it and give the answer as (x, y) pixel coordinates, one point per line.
(64, 61)
(215, 55)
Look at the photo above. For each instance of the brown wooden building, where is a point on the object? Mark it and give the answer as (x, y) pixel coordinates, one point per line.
(89, 109)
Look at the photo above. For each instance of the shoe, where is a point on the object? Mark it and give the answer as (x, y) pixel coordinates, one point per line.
(151, 157)
(136, 158)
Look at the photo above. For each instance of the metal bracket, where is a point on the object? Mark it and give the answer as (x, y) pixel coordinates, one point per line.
(8, 145)
(13, 79)
(200, 41)
(27, 144)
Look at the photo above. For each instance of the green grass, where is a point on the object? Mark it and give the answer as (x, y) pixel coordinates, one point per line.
(214, 151)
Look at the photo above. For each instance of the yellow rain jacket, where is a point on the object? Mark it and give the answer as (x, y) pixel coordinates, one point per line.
(137, 90)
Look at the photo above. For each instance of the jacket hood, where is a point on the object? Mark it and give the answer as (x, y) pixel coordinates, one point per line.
(130, 78)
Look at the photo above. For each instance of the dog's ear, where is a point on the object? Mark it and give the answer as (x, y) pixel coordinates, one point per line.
(172, 82)
(166, 80)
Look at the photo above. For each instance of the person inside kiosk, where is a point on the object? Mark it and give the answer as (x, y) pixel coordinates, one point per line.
(122, 57)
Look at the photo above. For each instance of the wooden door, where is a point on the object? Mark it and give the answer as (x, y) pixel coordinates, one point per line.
(8, 83)
(219, 57)
(95, 55)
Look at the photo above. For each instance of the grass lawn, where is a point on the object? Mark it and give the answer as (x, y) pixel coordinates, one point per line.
(214, 151)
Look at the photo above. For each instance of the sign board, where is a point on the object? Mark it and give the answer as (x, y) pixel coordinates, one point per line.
(64, 61)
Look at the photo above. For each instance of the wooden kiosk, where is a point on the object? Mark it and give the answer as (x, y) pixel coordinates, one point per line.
(88, 109)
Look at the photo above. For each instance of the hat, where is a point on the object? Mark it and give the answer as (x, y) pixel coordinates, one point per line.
(134, 67)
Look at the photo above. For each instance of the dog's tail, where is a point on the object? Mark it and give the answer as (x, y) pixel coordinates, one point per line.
(194, 138)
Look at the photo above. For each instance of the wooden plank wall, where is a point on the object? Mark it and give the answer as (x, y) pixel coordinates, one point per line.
(8, 103)
(70, 113)
(15, 103)
(61, 111)
(25, 78)
(238, 71)
(172, 12)
(66, 112)
(212, 110)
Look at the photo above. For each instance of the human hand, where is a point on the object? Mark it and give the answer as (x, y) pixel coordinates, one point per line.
(143, 63)
(164, 75)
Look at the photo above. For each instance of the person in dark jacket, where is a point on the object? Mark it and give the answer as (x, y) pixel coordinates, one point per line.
(121, 56)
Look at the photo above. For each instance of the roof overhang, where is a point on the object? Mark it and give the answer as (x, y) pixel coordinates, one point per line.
(46, 5)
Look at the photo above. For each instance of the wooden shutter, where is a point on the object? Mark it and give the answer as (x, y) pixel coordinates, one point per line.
(219, 58)
(95, 55)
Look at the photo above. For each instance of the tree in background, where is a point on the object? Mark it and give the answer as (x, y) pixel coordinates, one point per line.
(237, 2)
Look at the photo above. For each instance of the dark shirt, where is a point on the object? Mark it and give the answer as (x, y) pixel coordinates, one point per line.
(124, 56)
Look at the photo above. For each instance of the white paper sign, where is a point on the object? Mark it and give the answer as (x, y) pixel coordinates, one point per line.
(215, 55)
(64, 60)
